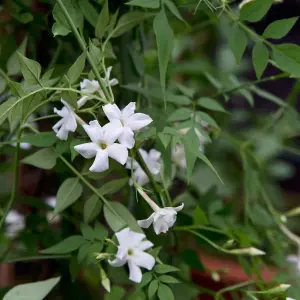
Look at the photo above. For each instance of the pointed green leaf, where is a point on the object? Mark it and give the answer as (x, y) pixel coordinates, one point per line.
(77, 68)
(67, 194)
(173, 9)
(164, 292)
(112, 186)
(152, 289)
(260, 56)
(102, 21)
(87, 231)
(162, 269)
(68, 245)
(43, 159)
(88, 11)
(168, 279)
(254, 11)
(181, 114)
(92, 208)
(199, 216)
(41, 139)
(31, 70)
(237, 43)
(32, 291)
(164, 39)
(144, 3)
(280, 28)
(210, 104)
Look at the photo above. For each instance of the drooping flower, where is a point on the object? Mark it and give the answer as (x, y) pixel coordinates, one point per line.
(131, 251)
(51, 218)
(295, 260)
(129, 121)
(103, 145)
(151, 160)
(15, 222)
(67, 123)
(162, 218)
(92, 86)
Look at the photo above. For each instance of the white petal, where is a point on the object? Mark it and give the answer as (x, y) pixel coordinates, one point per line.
(108, 71)
(147, 222)
(143, 259)
(62, 133)
(94, 131)
(140, 177)
(58, 125)
(70, 122)
(128, 111)
(144, 154)
(122, 236)
(135, 273)
(178, 208)
(82, 101)
(89, 86)
(145, 245)
(51, 201)
(114, 82)
(160, 226)
(293, 259)
(101, 162)
(61, 112)
(118, 152)
(138, 121)
(112, 111)
(117, 262)
(87, 150)
(111, 131)
(67, 105)
(154, 154)
(154, 167)
(126, 138)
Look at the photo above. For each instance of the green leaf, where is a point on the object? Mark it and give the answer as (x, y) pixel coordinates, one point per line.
(210, 104)
(129, 21)
(59, 29)
(16, 88)
(41, 139)
(116, 293)
(13, 64)
(168, 279)
(77, 68)
(83, 252)
(237, 43)
(254, 11)
(43, 159)
(67, 194)
(207, 118)
(87, 231)
(92, 208)
(260, 56)
(181, 114)
(100, 232)
(162, 269)
(120, 218)
(199, 216)
(6, 108)
(88, 11)
(164, 292)
(152, 289)
(31, 70)
(279, 28)
(173, 9)
(32, 291)
(287, 57)
(147, 277)
(164, 40)
(68, 245)
(2, 84)
(112, 186)
(144, 3)
(102, 21)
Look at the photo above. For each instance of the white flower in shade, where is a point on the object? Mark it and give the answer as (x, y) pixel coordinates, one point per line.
(295, 260)
(131, 251)
(178, 156)
(93, 86)
(67, 123)
(129, 121)
(162, 218)
(151, 159)
(51, 218)
(103, 145)
(15, 223)
(288, 298)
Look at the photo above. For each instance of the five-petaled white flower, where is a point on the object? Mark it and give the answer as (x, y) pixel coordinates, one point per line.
(15, 222)
(129, 121)
(295, 260)
(131, 250)
(151, 159)
(103, 145)
(162, 218)
(92, 86)
(67, 123)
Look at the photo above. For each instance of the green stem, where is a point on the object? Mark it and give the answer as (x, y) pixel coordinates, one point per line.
(4, 75)
(155, 186)
(33, 258)
(82, 44)
(232, 288)
(15, 183)
(201, 227)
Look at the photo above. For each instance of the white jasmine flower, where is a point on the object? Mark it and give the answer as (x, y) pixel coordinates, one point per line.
(162, 218)
(51, 201)
(15, 222)
(131, 250)
(93, 86)
(103, 145)
(178, 156)
(67, 123)
(151, 159)
(295, 260)
(129, 121)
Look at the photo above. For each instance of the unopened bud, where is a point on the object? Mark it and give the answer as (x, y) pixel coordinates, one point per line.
(102, 256)
(250, 251)
(229, 244)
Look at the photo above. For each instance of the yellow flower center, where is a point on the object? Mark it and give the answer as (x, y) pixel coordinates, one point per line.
(103, 146)
(130, 252)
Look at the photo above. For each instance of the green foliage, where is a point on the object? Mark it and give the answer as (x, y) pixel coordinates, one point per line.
(44, 159)
(280, 28)
(254, 11)
(238, 43)
(145, 3)
(260, 56)
(68, 245)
